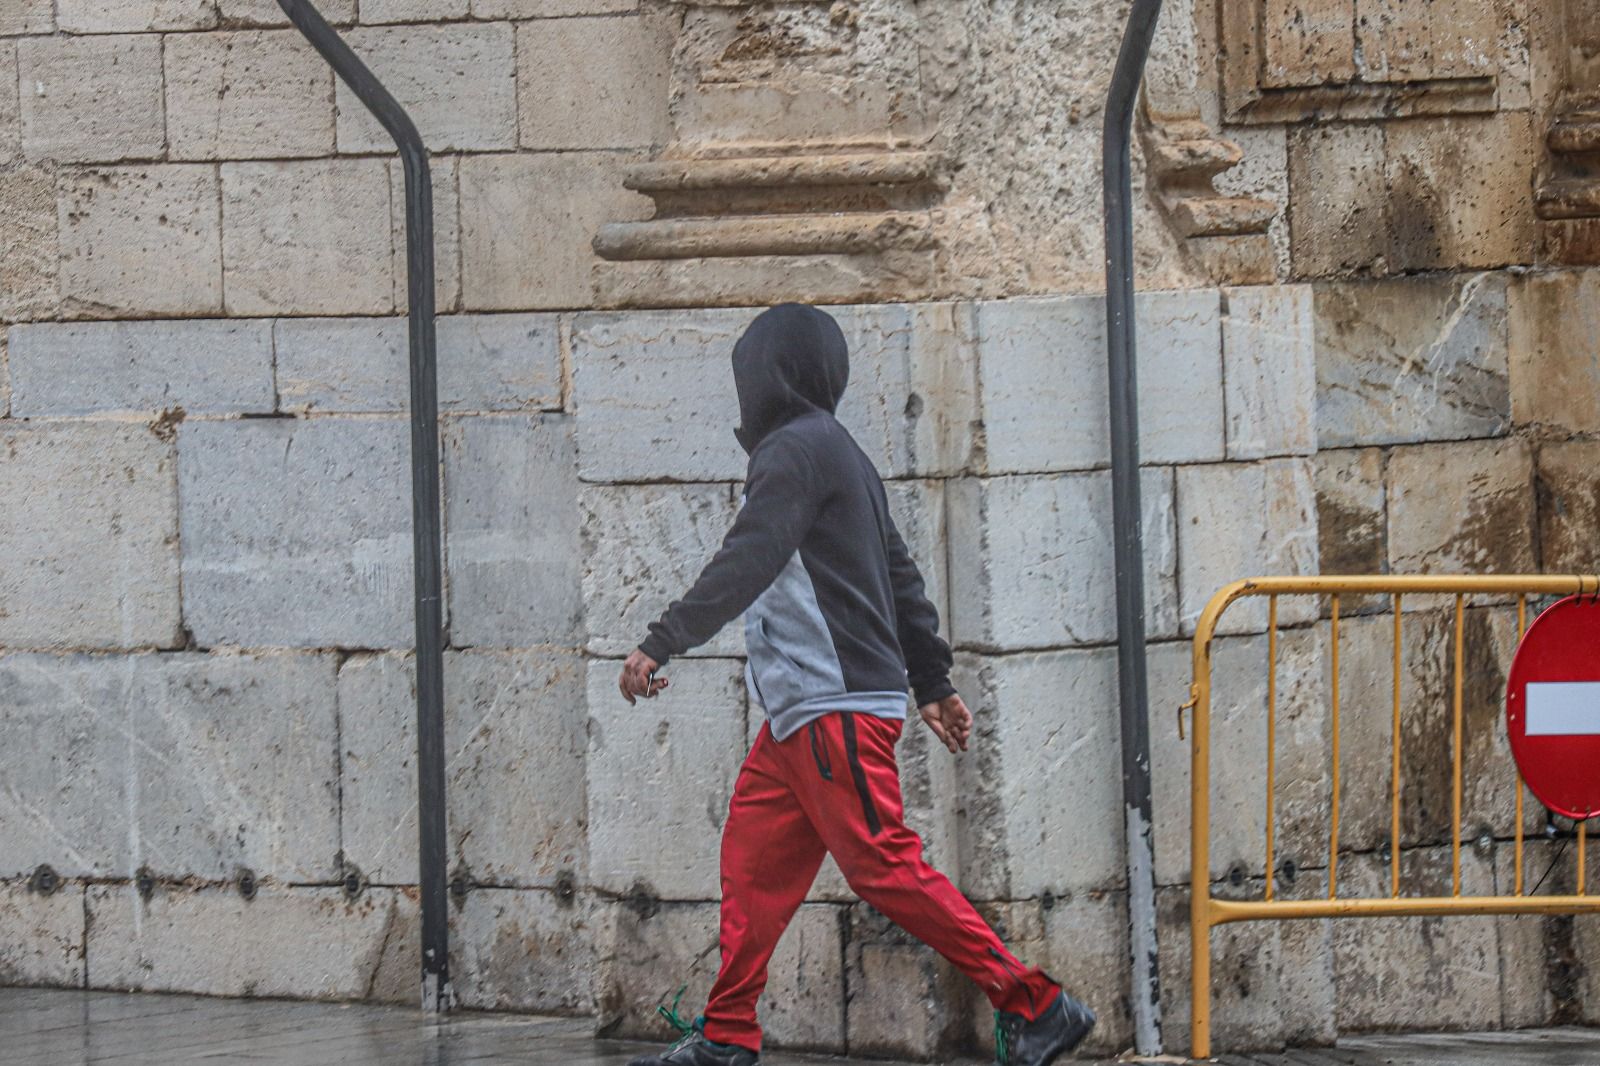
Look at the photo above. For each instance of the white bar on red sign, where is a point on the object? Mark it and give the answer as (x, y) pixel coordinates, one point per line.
(1563, 708)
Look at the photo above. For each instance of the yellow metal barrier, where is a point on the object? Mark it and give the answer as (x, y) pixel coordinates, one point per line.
(1206, 912)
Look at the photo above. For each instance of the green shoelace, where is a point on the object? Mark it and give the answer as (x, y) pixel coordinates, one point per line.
(686, 1029)
(1002, 1041)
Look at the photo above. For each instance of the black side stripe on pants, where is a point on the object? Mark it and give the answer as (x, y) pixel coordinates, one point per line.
(874, 826)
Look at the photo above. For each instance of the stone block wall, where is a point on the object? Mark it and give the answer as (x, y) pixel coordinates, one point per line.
(205, 603)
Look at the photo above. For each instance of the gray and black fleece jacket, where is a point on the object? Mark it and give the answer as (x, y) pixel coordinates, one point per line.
(834, 607)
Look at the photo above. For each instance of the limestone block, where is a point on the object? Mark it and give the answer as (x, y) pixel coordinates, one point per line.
(802, 1007)
(1263, 174)
(1269, 366)
(514, 734)
(1569, 507)
(1042, 788)
(1031, 560)
(1340, 218)
(446, 235)
(486, 363)
(595, 82)
(1239, 755)
(663, 771)
(899, 990)
(197, 365)
(643, 547)
(527, 9)
(28, 251)
(1555, 364)
(1352, 518)
(524, 951)
(28, 16)
(1082, 941)
(268, 13)
(526, 224)
(41, 937)
(308, 237)
(91, 99)
(918, 510)
(1457, 190)
(1238, 520)
(1043, 377)
(511, 519)
(297, 533)
(1528, 943)
(458, 82)
(379, 11)
(304, 942)
(1392, 971)
(192, 765)
(928, 788)
(10, 105)
(141, 240)
(646, 951)
(254, 93)
(91, 538)
(134, 16)
(1464, 507)
(658, 400)
(1272, 983)
(1411, 360)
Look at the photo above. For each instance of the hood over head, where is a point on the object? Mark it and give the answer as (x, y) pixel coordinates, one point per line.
(791, 360)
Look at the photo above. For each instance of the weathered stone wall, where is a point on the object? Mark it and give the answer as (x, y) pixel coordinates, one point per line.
(205, 604)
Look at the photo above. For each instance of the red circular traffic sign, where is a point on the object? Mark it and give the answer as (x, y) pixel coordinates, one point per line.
(1553, 707)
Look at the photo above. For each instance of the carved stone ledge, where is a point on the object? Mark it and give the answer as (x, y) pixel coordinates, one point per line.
(1570, 188)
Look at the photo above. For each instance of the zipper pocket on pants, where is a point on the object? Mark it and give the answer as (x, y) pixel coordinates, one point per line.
(853, 754)
(820, 754)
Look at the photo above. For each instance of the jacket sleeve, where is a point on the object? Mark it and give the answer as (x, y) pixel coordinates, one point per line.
(781, 500)
(928, 657)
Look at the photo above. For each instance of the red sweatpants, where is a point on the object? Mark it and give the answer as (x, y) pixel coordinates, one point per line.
(833, 788)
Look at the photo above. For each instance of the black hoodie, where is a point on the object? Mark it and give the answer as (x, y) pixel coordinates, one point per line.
(834, 606)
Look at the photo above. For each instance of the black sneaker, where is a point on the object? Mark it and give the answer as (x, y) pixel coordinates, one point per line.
(696, 1050)
(1062, 1027)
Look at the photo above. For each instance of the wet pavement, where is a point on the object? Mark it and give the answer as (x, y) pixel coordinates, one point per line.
(57, 1027)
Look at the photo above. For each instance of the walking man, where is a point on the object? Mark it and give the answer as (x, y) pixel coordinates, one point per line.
(836, 627)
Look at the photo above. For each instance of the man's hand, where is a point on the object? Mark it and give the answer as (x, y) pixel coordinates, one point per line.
(638, 677)
(950, 721)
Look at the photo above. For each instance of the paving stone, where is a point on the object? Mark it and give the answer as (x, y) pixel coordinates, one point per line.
(1031, 560)
(297, 533)
(1272, 983)
(527, 222)
(514, 735)
(192, 765)
(1239, 674)
(1555, 366)
(446, 234)
(1569, 506)
(380, 11)
(1463, 507)
(1352, 518)
(1391, 971)
(141, 240)
(1269, 370)
(643, 547)
(1340, 219)
(41, 937)
(524, 951)
(1042, 788)
(268, 13)
(308, 237)
(91, 541)
(134, 16)
(1411, 360)
(28, 16)
(596, 82)
(304, 942)
(899, 990)
(511, 515)
(91, 99)
(254, 93)
(199, 366)
(1042, 370)
(663, 770)
(29, 260)
(486, 363)
(458, 82)
(1238, 520)
(669, 410)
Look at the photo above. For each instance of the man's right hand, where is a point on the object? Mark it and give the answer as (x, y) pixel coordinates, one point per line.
(950, 721)
(638, 677)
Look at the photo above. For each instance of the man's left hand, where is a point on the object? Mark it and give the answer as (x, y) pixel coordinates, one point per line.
(638, 677)
(950, 721)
